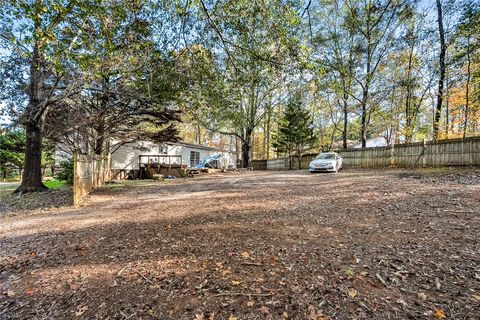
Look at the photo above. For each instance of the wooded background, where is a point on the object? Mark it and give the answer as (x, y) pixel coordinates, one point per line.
(452, 152)
(273, 78)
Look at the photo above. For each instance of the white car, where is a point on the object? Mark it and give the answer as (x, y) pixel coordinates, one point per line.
(327, 161)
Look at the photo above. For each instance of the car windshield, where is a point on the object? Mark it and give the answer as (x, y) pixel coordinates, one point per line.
(327, 156)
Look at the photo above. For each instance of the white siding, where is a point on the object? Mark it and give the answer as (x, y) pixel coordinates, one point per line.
(126, 157)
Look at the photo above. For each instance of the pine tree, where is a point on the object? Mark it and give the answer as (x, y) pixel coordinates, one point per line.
(12, 148)
(295, 132)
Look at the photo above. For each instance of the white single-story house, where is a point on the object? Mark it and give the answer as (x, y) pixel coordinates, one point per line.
(130, 158)
(373, 142)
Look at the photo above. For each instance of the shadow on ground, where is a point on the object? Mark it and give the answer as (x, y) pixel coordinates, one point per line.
(366, 245)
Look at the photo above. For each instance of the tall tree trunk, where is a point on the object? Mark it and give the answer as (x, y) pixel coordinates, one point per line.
(252, 145)
(198, 138)
(467, 91)
(447, 106)
(365, 91)
(35, 118)
(345, 120)
(441, 79)
(409, 114)
(264, 144)
(245, 154)
(269, 122)
(299, 154)
(363, 124)
(247, 147)
(238, 150)
(290, 157)
(32, 168)
(347, 85)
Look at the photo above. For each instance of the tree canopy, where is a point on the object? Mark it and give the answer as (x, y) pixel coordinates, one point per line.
(86, 73)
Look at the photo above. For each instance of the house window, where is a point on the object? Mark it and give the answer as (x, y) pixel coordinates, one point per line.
(194, 158)
(164, 149)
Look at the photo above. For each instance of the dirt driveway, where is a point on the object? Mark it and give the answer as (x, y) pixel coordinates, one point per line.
(258, 245)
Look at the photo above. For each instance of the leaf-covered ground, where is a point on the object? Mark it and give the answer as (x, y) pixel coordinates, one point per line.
(370, 244)
(57, 195)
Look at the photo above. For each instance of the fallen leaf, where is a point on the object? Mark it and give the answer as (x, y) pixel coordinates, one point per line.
(236, 282)
(476, 297)
(314, 314)
(422, 296)
(232, 317)
(245, 254)
(212, 316)
(80, 311)
(402, 302)
(439, 314)
(352, 292)
(264, 310)
(9, 293)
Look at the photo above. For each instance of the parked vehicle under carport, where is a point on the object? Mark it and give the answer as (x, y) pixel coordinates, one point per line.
(326, 162)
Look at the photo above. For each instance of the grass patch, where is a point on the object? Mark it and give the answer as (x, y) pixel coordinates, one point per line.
(54, 184)
(8, 188)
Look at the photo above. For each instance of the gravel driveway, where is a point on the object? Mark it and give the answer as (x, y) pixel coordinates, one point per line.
(367, 244)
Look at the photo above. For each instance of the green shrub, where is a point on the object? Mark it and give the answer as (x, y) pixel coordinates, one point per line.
(66, 172)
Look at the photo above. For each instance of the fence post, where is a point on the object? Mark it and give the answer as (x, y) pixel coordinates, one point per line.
(392, 155)
(75, 178)
(109, 166)
(424, 158)
(470, 153)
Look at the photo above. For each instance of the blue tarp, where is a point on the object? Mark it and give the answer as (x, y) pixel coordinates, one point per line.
(206, 161)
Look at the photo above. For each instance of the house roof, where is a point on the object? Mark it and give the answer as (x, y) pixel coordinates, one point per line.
(373, 142)
(197, 146)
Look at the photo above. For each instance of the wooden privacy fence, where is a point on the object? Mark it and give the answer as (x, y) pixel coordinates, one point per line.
(453, 152)
(273, 164)
(89, 173)
(278, 164)
(259, 165)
